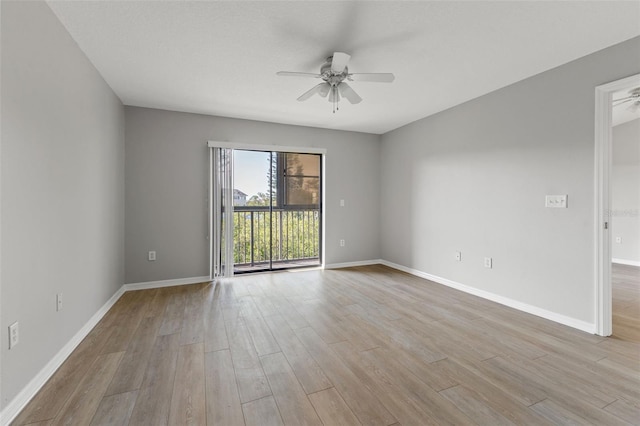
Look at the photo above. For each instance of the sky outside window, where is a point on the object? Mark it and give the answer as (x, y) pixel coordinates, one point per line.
(250, 172)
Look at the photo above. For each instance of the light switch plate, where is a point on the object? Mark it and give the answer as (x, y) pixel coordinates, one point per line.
(556, 201)
(14, 336)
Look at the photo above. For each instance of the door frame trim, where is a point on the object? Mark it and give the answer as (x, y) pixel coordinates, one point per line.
(266, 147)
(602, 199)
(271, 148)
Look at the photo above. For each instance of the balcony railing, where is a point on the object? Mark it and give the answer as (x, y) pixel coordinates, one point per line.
(294, 237)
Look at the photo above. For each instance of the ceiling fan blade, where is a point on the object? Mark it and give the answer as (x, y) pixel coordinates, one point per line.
(622, 101)
(324, 90)
(376, 77)
(347, 92)
(309, 93)
(297, 74)
(634, 107)
(339, 62)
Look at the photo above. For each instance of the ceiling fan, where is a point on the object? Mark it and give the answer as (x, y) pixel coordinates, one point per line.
(633, 97)
(335, 75)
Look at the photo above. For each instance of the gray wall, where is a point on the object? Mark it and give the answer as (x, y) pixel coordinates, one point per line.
(62, 190)
(474, 179)
(166, 186)
(625, 191)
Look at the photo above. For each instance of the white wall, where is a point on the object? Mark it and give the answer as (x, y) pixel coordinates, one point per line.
(166, 186)
(474, 178)
(62, 219)
(625, 190)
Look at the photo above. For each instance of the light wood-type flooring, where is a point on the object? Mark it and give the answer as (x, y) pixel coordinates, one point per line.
(367, 345)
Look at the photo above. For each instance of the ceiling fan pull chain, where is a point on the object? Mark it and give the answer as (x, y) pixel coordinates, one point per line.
(336, 99)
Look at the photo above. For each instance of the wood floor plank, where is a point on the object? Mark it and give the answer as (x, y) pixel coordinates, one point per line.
(158, 300)
(290, 315)
(569, 382)
(293, 403)
(131, 369)
(432, 403)
(252, 383)
(474, 407)
(84, 401)
(115, 410)
(262, 412)
(324, 325)
(555, 414)
(626, 303)
(596, 388)
(188, 397)
(215, 334)
(410, 400)
(368, 345)
(332, 409)
(154, 398)
(398, 333)
(492, 396)
(50, 399)
(611, 381)
(364, 403)
(42, 423)
(358, 336)
(261, 336)
(193, 316)
(308, 372)
(405, 408)
(515, 323)
(223, 399)
(627, 411)
(510, 378)
(567, 396)
(427, 372)
(123, 333)
(174, 313)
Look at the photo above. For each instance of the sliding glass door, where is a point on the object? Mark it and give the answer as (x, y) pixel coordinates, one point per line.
(270, 218)
(255, 198)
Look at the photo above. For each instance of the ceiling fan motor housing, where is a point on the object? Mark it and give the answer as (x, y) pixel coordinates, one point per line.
(330, 76)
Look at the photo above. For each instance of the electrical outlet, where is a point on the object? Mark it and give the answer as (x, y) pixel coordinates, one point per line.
(618, 240)
(341, 203)
(152, 255)
(488, 262)
(458, 256)
(341, 243)
(14, 335)
(59, 302)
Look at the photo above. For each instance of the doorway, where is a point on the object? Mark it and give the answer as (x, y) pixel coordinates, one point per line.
(266, 209)
(603, 164)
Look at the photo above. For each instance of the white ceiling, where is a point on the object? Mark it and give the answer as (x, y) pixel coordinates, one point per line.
(220, 58)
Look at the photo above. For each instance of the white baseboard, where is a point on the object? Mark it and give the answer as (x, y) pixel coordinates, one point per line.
(352, 264)
(534, 310)
(626, 262)
(165, 283)
(20, 401)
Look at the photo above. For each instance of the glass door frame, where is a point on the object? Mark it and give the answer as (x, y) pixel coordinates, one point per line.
(214, 194)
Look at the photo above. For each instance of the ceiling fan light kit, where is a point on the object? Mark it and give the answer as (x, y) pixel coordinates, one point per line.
(334, 72)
